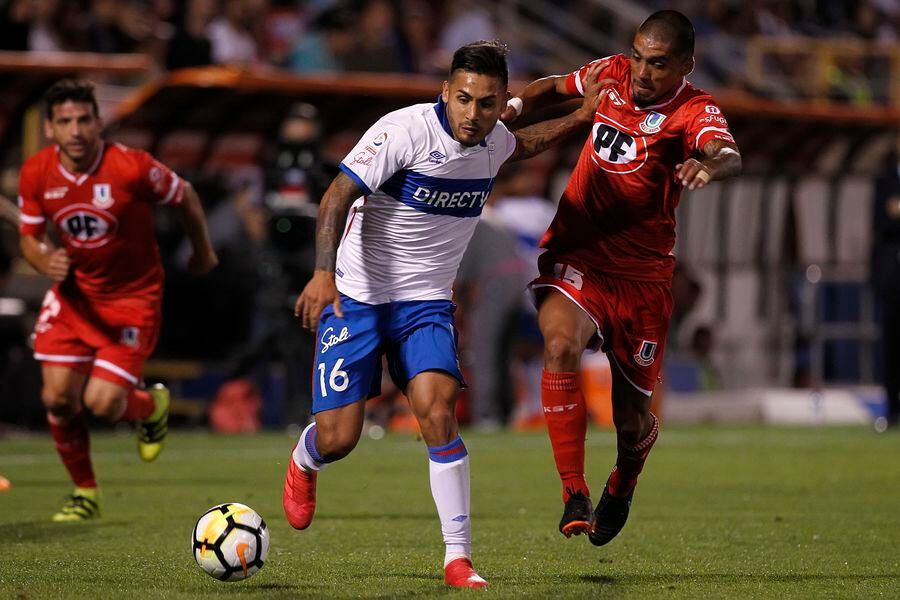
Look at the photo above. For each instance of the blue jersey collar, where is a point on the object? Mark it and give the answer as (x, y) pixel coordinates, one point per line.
(440, 109)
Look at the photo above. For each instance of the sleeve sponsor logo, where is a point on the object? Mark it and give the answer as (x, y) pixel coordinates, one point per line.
(362, 158)
(713, 119)
(713, 110)
(380, 139)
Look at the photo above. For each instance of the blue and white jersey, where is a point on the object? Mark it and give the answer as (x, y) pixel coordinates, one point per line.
(424, 192)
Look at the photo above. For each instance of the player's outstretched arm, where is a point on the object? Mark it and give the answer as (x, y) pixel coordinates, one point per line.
(536, 138)
(540, 93)
(322, 289)
(190, 210)
(721, 160)
(45, 258)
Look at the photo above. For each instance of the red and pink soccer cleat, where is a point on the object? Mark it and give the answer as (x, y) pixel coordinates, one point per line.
(299, 498)
(461, 573)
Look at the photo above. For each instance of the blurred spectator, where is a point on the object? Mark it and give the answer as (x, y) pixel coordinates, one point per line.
(463, 23)
(702, 344)
(886, 277)
(231, 35)
(191, 46)
(420, 31)
(686, 292)
(326, 45)
(489, 289)
(377, 35)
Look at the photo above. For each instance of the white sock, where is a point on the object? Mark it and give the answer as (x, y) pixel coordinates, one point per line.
(306, 456)
(449, 474)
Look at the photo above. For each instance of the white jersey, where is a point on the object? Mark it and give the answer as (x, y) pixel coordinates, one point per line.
(424, 192)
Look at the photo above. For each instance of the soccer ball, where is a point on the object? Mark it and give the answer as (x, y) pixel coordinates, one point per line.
(230, 542)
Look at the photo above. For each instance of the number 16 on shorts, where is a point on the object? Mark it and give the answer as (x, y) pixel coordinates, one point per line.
(334, 379)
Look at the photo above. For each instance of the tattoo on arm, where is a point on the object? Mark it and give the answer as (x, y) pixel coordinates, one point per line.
(536, 138)
(332, 217)
(722, 159)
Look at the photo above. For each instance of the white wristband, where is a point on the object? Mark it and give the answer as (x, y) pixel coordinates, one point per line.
(516, 104)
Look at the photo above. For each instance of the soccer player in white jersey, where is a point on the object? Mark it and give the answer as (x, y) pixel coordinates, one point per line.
(391, 232)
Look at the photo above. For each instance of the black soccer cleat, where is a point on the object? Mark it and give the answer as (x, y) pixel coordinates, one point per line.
(578, 515)
(610, 517)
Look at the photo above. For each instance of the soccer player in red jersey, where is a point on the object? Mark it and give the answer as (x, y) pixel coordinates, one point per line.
(605, 276)
(100, 320)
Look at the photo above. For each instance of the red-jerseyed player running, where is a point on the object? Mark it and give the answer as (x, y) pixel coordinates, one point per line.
(100, 320)
(606, 273)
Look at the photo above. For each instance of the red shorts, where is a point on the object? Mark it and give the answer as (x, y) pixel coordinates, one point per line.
(109, 339)
(632, 317)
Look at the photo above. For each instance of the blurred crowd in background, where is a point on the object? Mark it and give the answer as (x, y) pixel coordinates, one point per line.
(418, 36)
(253, 358)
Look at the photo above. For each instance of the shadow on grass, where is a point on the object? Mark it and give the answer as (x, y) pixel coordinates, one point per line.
(48, 531)
(674, 579)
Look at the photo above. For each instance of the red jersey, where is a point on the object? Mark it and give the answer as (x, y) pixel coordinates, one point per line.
(104, 217)
(617, 214)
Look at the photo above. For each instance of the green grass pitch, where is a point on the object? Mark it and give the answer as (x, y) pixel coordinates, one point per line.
(720, 513)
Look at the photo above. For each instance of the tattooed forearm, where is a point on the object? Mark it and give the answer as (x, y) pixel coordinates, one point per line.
(722, 159)
(536, 138)
(332, 218)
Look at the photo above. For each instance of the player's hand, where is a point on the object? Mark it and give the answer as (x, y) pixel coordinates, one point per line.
(58, 264)
(593, 90)
(318, 293)
(692, 174)
(201, 263)
(509, 113)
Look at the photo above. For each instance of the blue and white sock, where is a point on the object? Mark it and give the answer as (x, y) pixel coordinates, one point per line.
(448, 467)
(306, 455)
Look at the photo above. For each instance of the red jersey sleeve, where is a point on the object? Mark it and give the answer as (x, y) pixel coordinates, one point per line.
(704, 121)
(158, 183)
(615, 69)
(31, 218)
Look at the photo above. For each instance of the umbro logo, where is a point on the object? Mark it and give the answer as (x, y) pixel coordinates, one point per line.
(460, 518)
(436, 157)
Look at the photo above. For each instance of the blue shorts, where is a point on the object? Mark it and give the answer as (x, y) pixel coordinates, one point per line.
(415, 336)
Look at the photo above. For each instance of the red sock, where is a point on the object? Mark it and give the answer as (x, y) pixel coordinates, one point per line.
(566, 414)
(630, 462)
(139, 405)
(74, 447)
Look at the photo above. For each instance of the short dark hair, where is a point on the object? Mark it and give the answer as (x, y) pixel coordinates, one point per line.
(484, 58)
(674, 26)
(75, 90)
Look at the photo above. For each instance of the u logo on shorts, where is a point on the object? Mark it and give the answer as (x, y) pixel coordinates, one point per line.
(646, 353)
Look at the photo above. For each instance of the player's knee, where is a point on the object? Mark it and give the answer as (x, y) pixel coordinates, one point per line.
(633, 429)
(562, 351)
(59, 403)
(335, 444)
(105, 404)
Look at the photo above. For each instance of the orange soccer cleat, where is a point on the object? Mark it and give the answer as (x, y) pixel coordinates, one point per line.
(460, 573)
(299, 498)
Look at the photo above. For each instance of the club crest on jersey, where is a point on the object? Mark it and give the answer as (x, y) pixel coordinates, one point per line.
(653, 122)
(130, 337)
(85, 226)
(102, 195)
(646, 353)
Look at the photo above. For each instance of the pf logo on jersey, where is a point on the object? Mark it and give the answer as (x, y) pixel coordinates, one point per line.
(617, 150)
(85, 226)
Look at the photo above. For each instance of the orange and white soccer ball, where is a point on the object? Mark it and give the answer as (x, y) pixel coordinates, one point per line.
(230, 541)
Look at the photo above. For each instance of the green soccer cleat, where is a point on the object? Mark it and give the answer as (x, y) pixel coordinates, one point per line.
(152, 430)
(82, 505)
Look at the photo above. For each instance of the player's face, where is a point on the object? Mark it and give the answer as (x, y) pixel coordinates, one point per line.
(655, 69)
(76, 128)
(474, 103)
